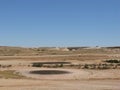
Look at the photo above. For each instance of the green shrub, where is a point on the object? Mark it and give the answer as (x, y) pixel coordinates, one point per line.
(37, 65)
(112, 61)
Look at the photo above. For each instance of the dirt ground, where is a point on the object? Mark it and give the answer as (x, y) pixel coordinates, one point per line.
(15, 84)
(59, 79)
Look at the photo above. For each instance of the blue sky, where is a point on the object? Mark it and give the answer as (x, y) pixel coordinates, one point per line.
(35, 23)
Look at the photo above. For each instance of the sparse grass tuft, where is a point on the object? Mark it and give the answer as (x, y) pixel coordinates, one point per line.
(11, 74)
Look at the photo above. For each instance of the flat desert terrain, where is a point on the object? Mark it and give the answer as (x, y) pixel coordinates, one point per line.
(72, 70)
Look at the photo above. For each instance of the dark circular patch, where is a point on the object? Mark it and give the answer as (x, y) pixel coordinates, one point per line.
(49, 72)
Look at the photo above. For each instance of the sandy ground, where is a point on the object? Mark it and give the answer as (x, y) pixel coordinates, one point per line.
(10, 84)
(77, 79)
(75, 74)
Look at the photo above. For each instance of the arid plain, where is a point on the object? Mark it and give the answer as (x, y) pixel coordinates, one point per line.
(73, 68)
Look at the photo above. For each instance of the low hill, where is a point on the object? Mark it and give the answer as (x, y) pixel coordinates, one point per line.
(21, 51)
(14, 51)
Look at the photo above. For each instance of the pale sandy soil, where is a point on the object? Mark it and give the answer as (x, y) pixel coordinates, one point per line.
(13, 84)
(78, 79)
(75, 74)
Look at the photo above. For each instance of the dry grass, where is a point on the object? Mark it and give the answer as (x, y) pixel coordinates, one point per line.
(67, 57)
(10, 74)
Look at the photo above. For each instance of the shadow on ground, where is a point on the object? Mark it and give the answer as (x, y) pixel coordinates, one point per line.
(49, 72)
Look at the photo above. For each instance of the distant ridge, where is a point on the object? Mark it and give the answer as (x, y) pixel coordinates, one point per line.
(22, 51)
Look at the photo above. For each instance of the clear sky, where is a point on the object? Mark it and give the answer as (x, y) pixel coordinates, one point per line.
(36, 23)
